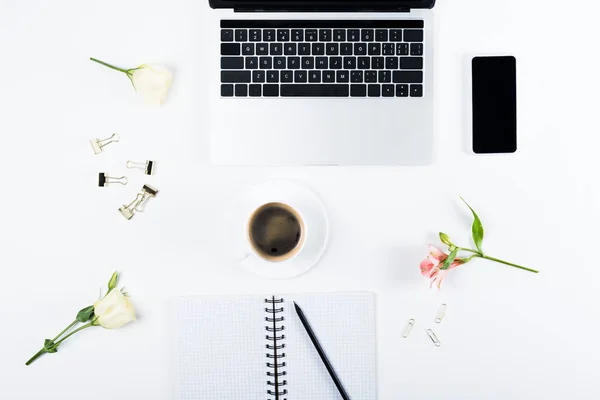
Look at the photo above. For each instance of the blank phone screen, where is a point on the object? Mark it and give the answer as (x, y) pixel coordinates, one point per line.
(494, 105)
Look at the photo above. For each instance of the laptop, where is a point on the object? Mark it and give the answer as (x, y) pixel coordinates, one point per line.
(320, 82)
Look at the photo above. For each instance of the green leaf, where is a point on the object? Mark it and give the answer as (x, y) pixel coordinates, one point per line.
(477, 228)
(85, 314)
(49, 345)
(450, 259)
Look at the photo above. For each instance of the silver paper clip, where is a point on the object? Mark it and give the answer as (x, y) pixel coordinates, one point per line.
(440, 314)
(433, 338)
(104, 180)
(147, 167)
(98, 144)
(139, 203)
(408, 328)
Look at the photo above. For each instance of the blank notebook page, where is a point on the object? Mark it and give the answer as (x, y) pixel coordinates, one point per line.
(222, 347)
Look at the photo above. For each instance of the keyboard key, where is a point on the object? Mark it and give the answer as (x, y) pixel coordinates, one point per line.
(385, 76)
(241, 90)
(297, 35)
(266, 62)
(226, 90)
(255, 35)
(275, 49)
(402, 49)
(290, 49)
(377, 63)
(416, 90)
(251, 62)
(293, 62)
(395, 35)
(315, 90)
(235, 76)
(279, 63)
(350, 62)
(353, 35)
(325, 35)
(387, 49)
(227, 35)
(287, 76)
(258, 76)
(413, 35)
(391, 62)
(401, 90)
(322, 63)
(356, 76)
(375, 49)
(300, 76)
(360, 49)
(408, 76)
(230, 49)
(318, 49)
(308, 63)
(232, 62)
(358, 90)
(283, 35)
(262, 49)
(374, 91)
(255, 90)
(339, 35)
(371, 76)
(335, 63)
(342, 76)
(310, 35)
(346, 49)
(241, 35)
(248, 49)
(381, 35)
(416, 49)
(411, 62)
(303, 49)
(387, 90)
(314, 76)
(332, 49)
(273, 76)
(270, 90)
(269, 35)
(364, 63)
(328, 76)
(367, 35)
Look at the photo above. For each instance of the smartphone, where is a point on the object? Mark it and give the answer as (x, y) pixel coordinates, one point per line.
(494, 104)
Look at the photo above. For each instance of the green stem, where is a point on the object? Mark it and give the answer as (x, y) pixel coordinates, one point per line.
(32, 359)
(472, 251)
(509, 263)
(74, 332)
(109, 66)
(66, 329)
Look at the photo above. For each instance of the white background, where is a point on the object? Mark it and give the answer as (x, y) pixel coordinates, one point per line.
(507, 334)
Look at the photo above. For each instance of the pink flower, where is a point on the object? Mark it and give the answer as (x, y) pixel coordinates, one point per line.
(430, 267)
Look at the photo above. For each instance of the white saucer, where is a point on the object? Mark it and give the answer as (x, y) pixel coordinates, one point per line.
(301, 198)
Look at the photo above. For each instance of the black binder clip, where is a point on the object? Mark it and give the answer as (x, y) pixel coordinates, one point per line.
(98, 144)
(139, 203)
(105, 180)
(147, 167)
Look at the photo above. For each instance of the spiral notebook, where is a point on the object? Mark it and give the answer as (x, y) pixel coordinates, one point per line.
(255, 347)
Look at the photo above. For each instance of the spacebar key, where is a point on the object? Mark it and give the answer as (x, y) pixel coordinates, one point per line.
(315, 90)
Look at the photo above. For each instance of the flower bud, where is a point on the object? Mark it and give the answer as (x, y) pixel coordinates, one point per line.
(112, 283)
(445, 239)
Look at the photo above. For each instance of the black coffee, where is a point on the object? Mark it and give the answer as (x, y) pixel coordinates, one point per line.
(275, 230)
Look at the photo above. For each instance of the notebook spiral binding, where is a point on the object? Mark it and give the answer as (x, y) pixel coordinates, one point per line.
(275, 345)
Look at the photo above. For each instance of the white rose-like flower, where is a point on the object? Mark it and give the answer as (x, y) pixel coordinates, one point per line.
(152, 82)
(114, 310)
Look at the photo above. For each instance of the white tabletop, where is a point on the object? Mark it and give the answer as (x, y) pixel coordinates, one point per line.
(507, 334)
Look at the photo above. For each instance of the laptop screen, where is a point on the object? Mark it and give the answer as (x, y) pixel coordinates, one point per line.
(317, 5)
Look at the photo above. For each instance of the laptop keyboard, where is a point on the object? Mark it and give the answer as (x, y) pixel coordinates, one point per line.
(277, 58)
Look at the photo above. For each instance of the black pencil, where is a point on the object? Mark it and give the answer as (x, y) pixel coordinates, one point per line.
(322, 354)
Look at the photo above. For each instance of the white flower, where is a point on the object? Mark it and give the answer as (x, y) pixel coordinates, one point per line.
(152, 82)
(114, 310)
